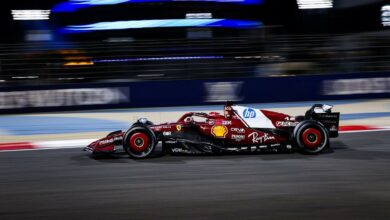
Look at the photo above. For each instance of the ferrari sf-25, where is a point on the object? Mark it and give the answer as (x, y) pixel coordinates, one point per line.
(238, 129)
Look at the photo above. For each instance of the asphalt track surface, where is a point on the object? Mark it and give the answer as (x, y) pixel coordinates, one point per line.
(351, 181)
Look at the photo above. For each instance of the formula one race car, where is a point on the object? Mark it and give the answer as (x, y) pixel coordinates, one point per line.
(240, 129)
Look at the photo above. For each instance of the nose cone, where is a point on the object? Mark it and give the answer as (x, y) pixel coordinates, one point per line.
(91, 147)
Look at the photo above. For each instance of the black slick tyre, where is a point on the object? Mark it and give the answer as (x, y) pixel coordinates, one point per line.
(311, 137)
(139, 142)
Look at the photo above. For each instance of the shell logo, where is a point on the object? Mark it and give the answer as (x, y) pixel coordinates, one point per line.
(219, 131)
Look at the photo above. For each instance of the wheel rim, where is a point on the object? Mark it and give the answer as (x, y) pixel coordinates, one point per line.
(139, 142)
(312, 138)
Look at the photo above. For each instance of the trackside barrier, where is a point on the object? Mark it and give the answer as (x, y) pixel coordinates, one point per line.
(193, 92)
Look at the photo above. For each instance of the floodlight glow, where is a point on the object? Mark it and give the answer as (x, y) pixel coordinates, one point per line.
(74, 5)
(80, 63)
(25, 77)
(155, 59)
(386, 15)
(30, 14)
(314, 4)
(160, 23)
(199, 15)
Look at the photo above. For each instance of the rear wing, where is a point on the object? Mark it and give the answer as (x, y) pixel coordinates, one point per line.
(323, 114)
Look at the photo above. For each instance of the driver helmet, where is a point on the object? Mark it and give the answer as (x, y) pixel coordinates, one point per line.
(189, 120)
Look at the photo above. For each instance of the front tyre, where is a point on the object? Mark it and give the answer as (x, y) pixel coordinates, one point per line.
(311, 137)
(139, 142)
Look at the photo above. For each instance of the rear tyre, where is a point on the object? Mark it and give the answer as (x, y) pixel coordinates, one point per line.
(139, 142)
(311, 137)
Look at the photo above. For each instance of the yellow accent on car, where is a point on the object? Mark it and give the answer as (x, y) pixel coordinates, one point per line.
(219, 131)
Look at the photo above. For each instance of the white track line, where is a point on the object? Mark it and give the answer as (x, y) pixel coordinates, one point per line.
(63, 144)
(360, 131)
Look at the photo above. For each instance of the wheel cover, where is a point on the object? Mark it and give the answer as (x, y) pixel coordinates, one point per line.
(139, 142)
(312, 138)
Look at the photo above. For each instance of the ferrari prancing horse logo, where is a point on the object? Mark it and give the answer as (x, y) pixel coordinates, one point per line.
(219, 131)
(178, 127)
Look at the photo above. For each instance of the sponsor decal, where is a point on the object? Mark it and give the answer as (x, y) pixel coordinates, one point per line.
(167, 126)
(238, 130)
(219, 131)
(167, 133)
(157, 128)
(286, 123)
(222, 91)
(289, 118)
(64, 97)
(108, 141)
(238, 137)
(328, 122)
(260, 139)
(226, 122)
(333, 128)
(211, 122)
(180, 150)
(356, 86)
(249, 113)
(330, 116)
(178, 127)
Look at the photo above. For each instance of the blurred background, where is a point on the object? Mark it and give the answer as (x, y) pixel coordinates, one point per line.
(88, 54)
(71, 71)
(84, 41)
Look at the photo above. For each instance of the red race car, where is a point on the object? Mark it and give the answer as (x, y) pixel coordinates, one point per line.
(240, 129)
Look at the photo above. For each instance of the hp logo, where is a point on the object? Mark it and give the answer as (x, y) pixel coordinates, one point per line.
(249, 113)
